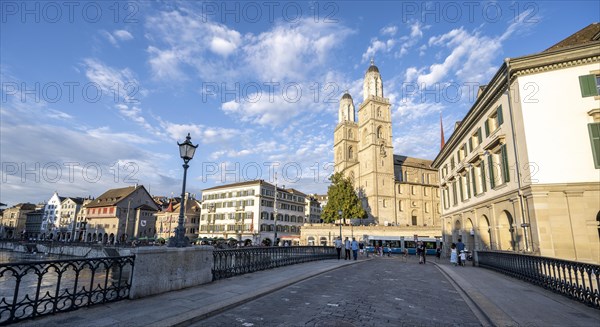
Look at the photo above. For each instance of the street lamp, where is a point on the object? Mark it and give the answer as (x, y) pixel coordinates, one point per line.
(340, 213)
(186, 152)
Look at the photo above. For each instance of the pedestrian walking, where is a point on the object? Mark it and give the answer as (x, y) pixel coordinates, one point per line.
(389, 250)
(438, 253)
(453, 254)
(421, 253)
(361, 248)
(338, 247)
(463, 258)
(354, 246)
(460, 246)
(347, 247)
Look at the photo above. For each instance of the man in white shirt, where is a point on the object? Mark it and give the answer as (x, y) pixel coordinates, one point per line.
(338, 247)
(348, 247)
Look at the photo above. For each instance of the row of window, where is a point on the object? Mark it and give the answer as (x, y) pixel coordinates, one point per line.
(270, 216)
(491, 124)
(248, 228)
(228, 204)
(106, 210)
(225, 195)
(283, 206)
(474, 179)
(227, 227)
(409, 174)
(229, 215)
(282, 195)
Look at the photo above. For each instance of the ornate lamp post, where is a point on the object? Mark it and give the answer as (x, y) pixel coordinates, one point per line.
(340, 212)
(186, 152)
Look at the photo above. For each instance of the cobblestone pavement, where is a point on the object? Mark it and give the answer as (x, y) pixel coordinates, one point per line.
(379, 292)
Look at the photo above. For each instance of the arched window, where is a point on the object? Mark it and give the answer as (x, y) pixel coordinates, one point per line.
(350, 136)
(378, 111)
(350, 153)
(364, 135)
(379, 132)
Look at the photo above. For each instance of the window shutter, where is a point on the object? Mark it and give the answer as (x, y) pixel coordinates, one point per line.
(460, 187)
(491, 168)
(474, 181)
(483, 185)
(594, 129)
(479, 138)
(487, 128)
(468, 184)
(587, 83)
(505, 170)
(499, 115)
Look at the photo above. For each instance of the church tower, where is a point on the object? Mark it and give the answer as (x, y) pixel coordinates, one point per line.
(375, 149)
(345, 139)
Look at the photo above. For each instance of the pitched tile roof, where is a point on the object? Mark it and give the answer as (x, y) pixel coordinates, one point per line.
(588, 34)
(112, 197)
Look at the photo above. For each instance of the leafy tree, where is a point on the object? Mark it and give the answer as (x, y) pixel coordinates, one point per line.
(342, 197)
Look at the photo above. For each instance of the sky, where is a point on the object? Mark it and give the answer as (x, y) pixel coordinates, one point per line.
(96, 95)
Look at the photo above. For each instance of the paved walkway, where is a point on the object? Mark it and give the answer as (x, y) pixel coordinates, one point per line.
(380, 291)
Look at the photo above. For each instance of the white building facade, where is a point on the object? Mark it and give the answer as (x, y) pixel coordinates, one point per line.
(246, 212)
(521, 172)
(50, 218)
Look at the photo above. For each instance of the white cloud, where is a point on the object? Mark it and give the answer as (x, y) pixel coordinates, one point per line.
(200, 133)
(181, 37)
(165, 64)
(123, 35)
(108, 78)
(222, 46)
(389, 30)
(377, 46)
(116, 36)
(293, 52)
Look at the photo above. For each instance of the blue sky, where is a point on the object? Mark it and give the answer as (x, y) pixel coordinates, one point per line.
(95, 95)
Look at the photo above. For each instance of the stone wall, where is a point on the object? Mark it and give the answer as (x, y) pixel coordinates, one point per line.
(163, 269)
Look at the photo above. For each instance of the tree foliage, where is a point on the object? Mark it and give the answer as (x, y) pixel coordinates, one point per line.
(341, 196)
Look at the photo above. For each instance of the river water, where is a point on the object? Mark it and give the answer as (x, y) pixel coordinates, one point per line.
(13, 257)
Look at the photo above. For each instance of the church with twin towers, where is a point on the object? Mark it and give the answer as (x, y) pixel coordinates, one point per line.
(394, 189)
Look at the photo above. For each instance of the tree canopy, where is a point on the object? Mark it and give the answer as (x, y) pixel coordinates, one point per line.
(341, 196)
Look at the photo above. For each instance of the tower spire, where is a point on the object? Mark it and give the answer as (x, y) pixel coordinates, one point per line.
(442, 139)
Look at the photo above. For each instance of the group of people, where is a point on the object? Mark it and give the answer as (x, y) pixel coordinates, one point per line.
(348, 246)
(458, 255)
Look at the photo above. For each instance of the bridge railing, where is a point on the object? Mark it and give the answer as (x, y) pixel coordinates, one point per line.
(233, 262)
(32, 289)
(576, 280)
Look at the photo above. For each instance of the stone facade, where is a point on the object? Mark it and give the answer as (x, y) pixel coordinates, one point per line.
(502, 188)
(13, 223)
(115, 216)
(394, 189)
(168, 219)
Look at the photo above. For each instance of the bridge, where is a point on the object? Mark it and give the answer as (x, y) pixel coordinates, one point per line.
(382, 291)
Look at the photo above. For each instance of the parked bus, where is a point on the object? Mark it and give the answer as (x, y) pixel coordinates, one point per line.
(397, 243)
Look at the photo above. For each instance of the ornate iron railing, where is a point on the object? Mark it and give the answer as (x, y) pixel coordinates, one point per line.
(576, 280)
(32, 289)
(233, 262)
